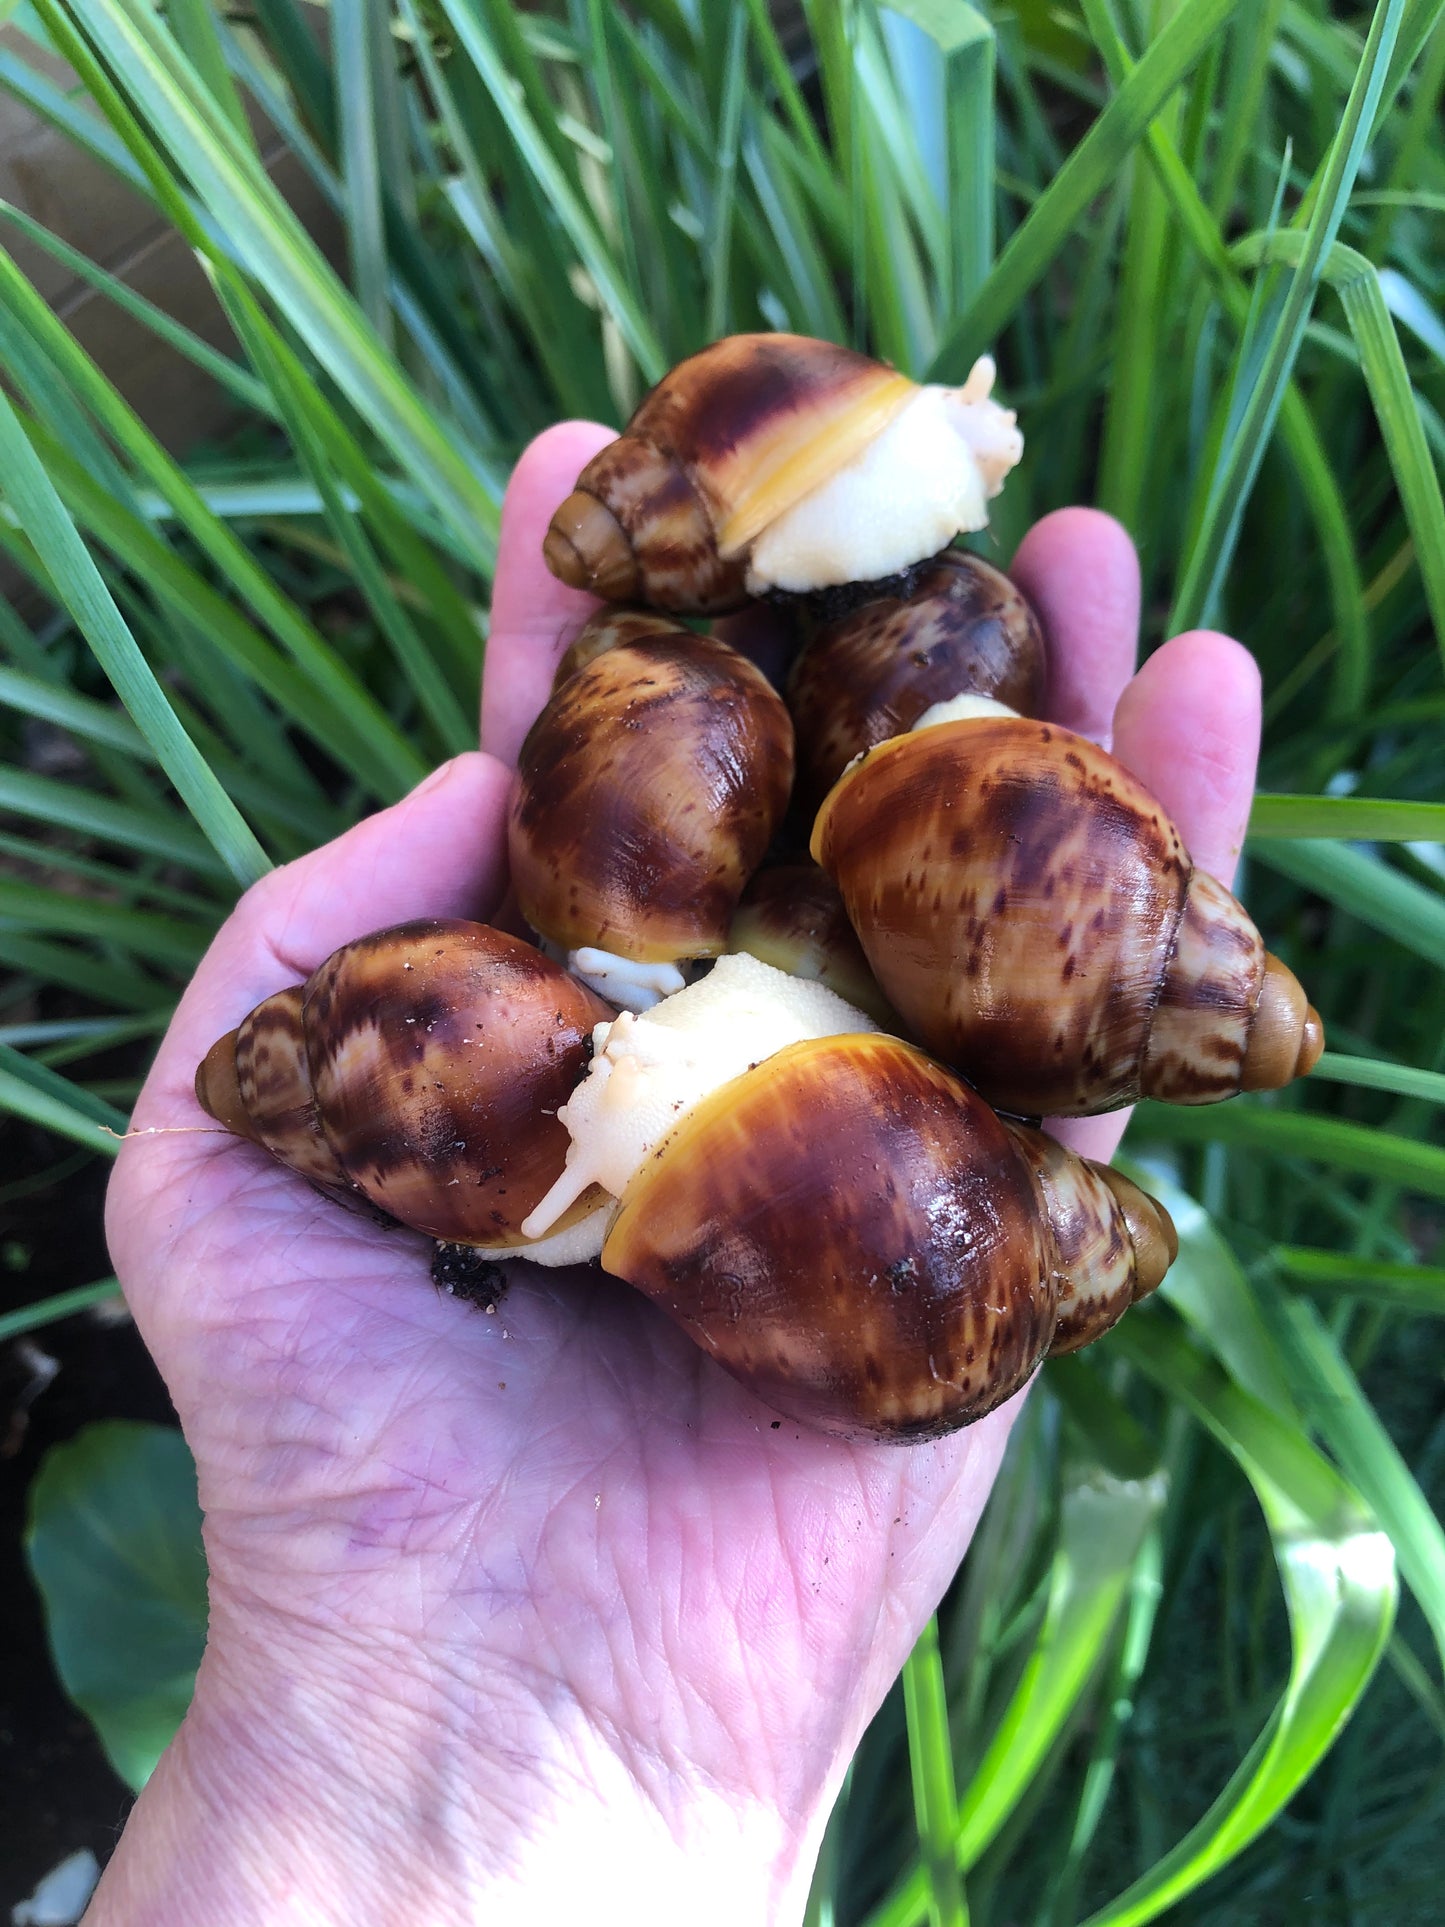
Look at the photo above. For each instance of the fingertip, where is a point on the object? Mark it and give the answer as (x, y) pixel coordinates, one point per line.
(533, 616)
(1079, 569)
(1188, 726)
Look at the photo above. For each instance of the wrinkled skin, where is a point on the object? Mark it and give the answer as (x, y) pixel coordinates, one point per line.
(511, 1609)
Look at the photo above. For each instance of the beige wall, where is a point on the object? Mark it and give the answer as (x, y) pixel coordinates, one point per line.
(87, 206)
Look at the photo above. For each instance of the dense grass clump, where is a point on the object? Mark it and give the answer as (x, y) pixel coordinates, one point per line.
(1203, 242)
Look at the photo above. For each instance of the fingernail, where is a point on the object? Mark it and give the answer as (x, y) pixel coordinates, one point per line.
(437, 778)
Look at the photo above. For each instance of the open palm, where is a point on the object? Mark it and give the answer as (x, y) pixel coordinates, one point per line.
(548, 1569)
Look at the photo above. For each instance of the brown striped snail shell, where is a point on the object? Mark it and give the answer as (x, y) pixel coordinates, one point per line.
(792, 916)
(857, 1237)
(961, 627)
(1034, 916)
(743, 471)
(647, 793)
(423, 1067)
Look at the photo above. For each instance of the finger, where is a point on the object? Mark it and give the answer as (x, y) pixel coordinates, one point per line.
(1079, 570)
(440, 852)
(1188, 727)
(534, 616)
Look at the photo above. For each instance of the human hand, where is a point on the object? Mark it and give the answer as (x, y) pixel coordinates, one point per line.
(510, 1611)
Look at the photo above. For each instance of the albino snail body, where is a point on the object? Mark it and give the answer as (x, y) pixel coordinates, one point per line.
(1034, 916)
(779, 462)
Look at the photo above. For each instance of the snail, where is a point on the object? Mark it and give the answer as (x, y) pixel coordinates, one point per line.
(960, 627)
(792, 917)
(1034, 916)
(646, 794)
(836, 1219)
(777, 462)
(421, 1067)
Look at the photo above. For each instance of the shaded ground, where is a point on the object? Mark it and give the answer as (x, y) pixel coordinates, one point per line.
(60, 1793)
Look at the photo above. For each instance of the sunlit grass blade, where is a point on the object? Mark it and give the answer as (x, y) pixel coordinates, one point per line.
(935, 1800)
(1329, 1395)
(1234, 475)
(77, 584)
(1338, 1575)
(1087, 172)
(1104, 1523)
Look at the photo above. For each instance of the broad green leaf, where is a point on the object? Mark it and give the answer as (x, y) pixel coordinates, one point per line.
(114, 1543)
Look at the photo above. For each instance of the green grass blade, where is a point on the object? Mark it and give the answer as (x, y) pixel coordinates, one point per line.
(194, 26)
(1104, 1524)
(220, 368)
(49, 1096)
(1414, 1289)
(352, 49)
(1295, 1134)
(1364, 819)
(63, 1304)
(557, 191)
(1388, 380)
(1329, 1395)
(286, 262)
(935, 1801)
(67, 806)
(1234, 475)
(1338, 1575)
(724, 184)
(1367, 888)
(1088, 171)
(1368, 1073)
(78, 586)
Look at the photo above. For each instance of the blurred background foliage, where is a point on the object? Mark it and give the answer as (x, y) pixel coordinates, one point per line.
(1202, 238)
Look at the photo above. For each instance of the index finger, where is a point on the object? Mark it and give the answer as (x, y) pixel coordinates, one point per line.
(534, 616)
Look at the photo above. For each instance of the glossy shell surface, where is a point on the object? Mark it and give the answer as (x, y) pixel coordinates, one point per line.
(962, 628)
(851, 1232)
(439, 1054)
(1021, 898)
(720, 446)
(646, 795)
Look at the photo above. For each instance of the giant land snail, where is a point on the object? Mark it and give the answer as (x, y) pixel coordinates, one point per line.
(841, 1221)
